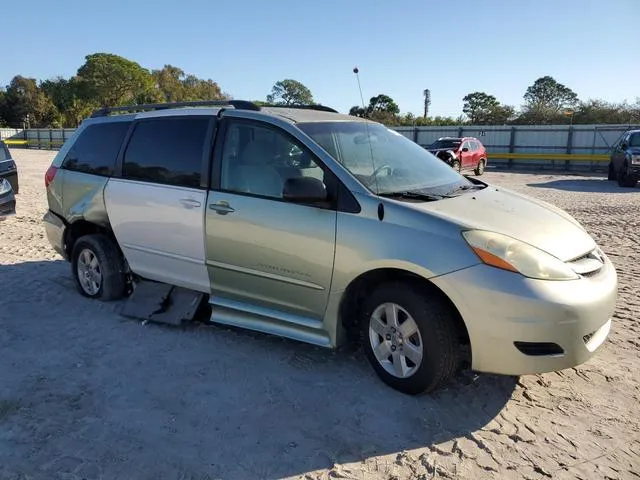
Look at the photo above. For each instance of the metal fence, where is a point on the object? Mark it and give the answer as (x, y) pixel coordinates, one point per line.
(566, 147)
(575, 147)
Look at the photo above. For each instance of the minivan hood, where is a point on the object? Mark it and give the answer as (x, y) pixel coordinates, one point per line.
(519, 216)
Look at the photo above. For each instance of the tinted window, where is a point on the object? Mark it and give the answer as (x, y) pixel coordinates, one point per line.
(96, 148)
(259, 160)
(167, 150)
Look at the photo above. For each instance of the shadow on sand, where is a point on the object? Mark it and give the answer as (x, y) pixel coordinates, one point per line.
(132, 401)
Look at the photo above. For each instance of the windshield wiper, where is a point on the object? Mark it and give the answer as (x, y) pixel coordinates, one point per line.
(413, 196)
(464, 188)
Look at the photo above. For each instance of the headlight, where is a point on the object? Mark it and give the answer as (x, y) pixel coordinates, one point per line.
(502, 251)
(635, 159)
(5, 186)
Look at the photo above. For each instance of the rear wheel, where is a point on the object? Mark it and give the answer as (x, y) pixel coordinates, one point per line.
(480, 167)
(98, 268)
(625, 180)
(409, 338)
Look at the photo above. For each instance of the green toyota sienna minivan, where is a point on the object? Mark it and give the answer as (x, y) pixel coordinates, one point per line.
(321, 227)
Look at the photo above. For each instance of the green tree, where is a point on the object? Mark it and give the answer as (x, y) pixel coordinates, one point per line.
(25, 103)
(290, 92)
(485, 109)
(67, 97)
(382, 108)
(174, 85)
(546, 100)
(170, 81)
(111, 80)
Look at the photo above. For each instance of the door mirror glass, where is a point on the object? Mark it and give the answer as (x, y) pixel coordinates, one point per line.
(465, 149)
(304, 190)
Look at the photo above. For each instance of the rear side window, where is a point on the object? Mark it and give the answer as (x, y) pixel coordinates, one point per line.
(96, 148)
(167, 151)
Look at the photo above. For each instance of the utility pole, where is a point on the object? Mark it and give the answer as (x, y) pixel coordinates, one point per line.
(427, 102)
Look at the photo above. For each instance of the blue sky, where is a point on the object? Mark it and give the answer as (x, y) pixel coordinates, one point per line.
(401, 47)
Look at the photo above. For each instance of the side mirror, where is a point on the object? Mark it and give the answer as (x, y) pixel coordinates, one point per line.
(623, 146)
(7, 200)
(465, 149)
(304, 190)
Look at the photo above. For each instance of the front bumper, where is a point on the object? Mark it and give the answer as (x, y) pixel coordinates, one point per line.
(634, 170)
(7, 205)
(521, 326)
(12, 178)
(55, 228)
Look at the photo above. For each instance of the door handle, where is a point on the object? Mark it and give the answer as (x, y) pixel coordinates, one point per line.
(221, 208)
(189, 203)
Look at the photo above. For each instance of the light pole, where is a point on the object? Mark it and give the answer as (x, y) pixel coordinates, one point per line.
(427, 102)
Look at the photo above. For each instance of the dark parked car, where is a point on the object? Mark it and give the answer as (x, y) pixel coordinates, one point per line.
(462, 153)
(624, 165)
(8, 168)
(7, 200)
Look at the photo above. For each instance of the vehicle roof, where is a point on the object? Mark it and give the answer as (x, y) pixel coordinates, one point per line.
(290, 114)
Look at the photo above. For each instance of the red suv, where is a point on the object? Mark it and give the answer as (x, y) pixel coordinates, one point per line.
(462, 153)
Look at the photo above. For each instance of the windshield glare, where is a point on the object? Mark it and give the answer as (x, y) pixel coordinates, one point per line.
(445, 143)
(382, 159)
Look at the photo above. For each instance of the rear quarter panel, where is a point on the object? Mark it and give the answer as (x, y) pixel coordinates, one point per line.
(83, 197)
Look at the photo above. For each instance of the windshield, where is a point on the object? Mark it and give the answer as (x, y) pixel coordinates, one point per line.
(451, 143)
(382, 159)
(634, 141)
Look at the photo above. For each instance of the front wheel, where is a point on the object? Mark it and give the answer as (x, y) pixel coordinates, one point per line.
(409, 338)
(625, 180)
(456, 165)
(612, 172)
(98, 268)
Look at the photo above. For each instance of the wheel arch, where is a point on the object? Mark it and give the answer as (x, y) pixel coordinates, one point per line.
(81, 227)
(356, 292)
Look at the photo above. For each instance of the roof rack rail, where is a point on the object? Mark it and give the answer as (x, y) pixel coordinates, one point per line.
(239, 104)
(321, 108)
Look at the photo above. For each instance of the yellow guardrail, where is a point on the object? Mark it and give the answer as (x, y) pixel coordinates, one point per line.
(34, 142)
(572, 157)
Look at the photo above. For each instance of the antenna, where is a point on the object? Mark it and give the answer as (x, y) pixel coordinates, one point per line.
(357, 71)
(366, 127)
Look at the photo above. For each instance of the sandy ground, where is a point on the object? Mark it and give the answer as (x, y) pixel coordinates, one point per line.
(85, 393)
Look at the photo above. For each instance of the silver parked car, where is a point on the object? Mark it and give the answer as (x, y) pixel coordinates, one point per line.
(317, 226)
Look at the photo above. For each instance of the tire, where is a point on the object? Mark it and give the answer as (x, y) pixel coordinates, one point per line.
(456, 165)
(435, 338)
(480, 167)
(111, 284)
(625, 180)
(612, 172)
